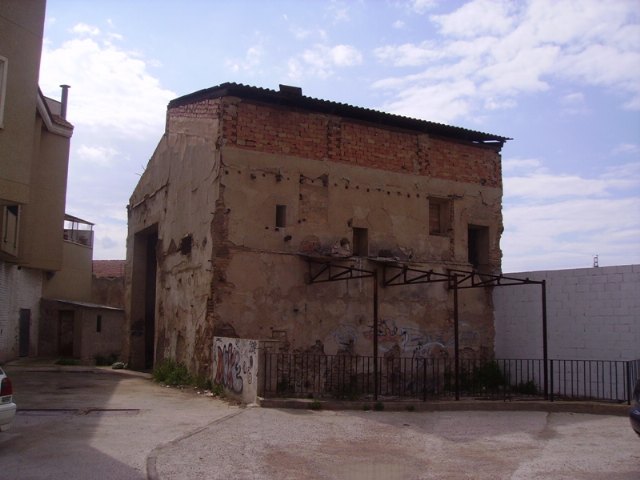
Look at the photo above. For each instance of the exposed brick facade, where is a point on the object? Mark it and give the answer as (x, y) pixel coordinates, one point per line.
(279, 130)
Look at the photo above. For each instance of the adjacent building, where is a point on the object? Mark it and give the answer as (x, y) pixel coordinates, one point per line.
(45, 254)
(250, 188)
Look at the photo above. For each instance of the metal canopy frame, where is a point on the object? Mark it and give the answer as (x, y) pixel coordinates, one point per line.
(396, 274)
(325, 269)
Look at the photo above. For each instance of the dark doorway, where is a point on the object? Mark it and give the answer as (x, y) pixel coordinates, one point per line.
(150, 301)
(143, 299)
(66, 319)
(25, 331)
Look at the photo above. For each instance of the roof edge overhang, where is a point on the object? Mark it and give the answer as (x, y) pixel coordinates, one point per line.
(285, 98)
(54, 123)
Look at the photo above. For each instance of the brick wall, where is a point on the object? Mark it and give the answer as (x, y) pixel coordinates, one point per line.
(271, 129)
(592, 314)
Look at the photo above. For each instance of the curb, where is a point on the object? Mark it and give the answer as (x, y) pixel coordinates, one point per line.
(593, 408)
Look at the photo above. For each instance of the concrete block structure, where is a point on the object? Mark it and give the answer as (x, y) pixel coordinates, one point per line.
(247, 185)
(593, 314)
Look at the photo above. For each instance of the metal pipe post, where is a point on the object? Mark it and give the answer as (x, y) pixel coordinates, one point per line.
(456, 335)
(545, 355)
(375, 335)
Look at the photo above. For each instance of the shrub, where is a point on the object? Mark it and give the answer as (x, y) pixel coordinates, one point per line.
(378, 406)
(526, 388)
(315, 405)
(102, 361)
(170, 372)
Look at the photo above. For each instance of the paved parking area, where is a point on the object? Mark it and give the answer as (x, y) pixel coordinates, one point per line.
(80, 423)
(296, 444)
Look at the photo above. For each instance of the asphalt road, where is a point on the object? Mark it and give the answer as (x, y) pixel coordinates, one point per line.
(79, 424)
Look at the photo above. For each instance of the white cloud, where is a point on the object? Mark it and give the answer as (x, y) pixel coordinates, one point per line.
(506, 49)
(560, 221)
(97, 155)
(339, 11)
(111, 88)
(250, 62)
(626, 148)
(421, 6)
(477, 18)
(322, 60)
(574, 103)
(398, 24)
(83, 28)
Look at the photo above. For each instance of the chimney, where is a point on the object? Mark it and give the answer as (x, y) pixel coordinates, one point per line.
(63, 101)
(289, 91)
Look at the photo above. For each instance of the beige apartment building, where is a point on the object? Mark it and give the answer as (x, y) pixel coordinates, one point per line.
(44, 253)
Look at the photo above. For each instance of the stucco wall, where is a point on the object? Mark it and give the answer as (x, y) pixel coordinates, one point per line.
(19, 288)
(73, 281)
(593, 314)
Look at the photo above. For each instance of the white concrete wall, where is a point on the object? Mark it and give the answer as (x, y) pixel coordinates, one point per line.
(592, 314)
(19, 288)
(235, 367)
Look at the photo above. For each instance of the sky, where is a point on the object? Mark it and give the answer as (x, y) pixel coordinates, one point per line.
(561, 78)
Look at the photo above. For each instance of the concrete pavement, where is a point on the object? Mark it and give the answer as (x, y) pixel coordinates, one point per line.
(81, 422)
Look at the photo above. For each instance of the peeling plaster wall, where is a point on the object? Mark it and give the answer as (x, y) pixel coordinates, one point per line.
(218, 174)
(178, 193)
(266, 294)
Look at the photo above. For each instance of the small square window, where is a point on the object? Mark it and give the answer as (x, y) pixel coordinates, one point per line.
(281, 216)
(4, 63)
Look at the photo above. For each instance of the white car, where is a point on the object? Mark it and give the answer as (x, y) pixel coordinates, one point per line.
(7, 407)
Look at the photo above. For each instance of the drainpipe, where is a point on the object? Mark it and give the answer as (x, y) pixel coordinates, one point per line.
(63, 101)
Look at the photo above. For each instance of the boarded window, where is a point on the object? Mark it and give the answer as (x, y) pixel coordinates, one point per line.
(439, 216)
(281, 216)
(360, 242)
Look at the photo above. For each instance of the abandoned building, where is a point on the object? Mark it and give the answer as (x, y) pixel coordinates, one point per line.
(250, 189)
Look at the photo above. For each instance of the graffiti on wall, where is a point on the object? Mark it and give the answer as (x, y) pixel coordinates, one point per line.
(410, 340)
(235, 361)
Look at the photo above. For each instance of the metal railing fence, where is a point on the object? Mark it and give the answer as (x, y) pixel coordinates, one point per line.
(352, 377)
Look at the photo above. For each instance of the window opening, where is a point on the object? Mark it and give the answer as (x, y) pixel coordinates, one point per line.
(186, 244)
(281, 216)
(99, 323)
(10, 229)
(3, 87)
(439, 215)
(478, 246)
(360, 242)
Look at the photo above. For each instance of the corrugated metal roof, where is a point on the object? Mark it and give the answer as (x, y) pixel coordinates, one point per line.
(292, 97)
